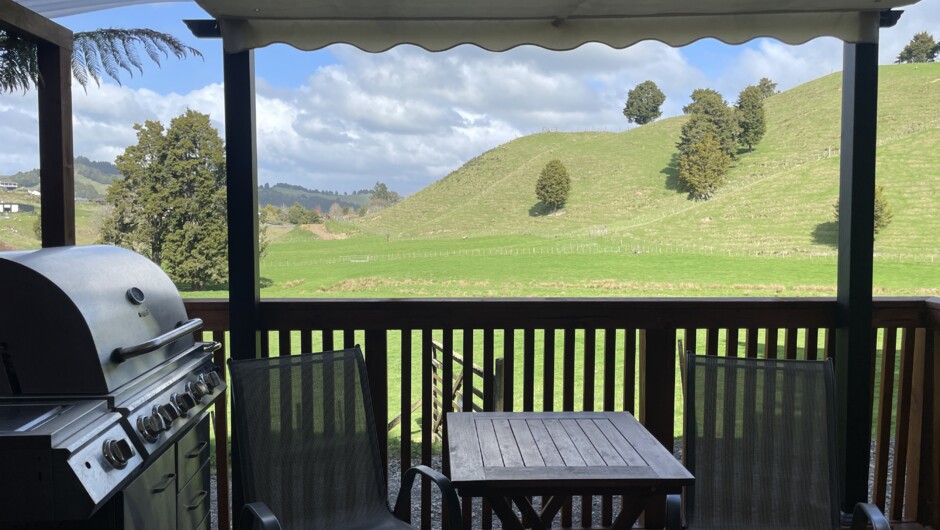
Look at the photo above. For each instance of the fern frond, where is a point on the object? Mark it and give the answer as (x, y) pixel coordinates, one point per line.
(115, 49)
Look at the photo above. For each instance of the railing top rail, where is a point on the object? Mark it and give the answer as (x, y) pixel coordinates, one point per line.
(520, 313)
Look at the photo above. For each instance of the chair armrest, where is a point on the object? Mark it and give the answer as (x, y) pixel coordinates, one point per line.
(447, 492)
(869, 513)
(258, 511)
(674, 512)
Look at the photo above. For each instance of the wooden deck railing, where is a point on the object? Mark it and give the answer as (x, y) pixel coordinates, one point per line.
(610, 354)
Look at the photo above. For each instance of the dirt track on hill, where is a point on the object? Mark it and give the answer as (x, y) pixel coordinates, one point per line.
(320, 231)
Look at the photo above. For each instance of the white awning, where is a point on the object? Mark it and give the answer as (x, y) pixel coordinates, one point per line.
(377, 25)
(63, 8)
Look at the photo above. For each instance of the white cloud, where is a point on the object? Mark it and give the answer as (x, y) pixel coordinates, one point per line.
(408, 117)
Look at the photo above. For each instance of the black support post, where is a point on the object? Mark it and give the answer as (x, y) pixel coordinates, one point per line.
(854, 294)
(242, 183)
(242, 186)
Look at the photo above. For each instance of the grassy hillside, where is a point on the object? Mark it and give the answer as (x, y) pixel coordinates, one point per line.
(91, 178)
(778, 199)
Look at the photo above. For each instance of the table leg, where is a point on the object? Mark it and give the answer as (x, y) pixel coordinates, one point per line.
(550, 508)
(504, 511)
(629, 513)
(529, 517)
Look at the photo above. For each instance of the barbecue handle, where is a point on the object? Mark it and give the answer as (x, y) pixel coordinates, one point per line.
(120, 355)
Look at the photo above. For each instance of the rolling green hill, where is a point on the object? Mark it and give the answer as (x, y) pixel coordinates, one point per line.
(91, 178)
(778, 199)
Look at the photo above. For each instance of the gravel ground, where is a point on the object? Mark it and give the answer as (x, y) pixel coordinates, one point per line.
(394, 473)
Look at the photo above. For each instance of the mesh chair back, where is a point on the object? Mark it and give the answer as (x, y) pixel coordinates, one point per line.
(760, 440)
(307, 441)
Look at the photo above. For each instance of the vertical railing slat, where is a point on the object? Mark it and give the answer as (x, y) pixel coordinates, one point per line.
(221, 439)
(731, 342)
(790, 343)
(610, 390)
(567, 400)
(751, 341)
(811, 344)
(902, 425)
(427, 398)
(548, 370)
(886, 397)
(587, 403)
(770, 343)
(711, 341)
(509, 357)
(528, 369)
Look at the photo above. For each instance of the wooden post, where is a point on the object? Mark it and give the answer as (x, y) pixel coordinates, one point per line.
(657, 401)
(928, 508)
(854, 287)
(56, 163)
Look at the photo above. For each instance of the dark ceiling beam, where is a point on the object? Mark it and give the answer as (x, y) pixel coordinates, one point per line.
(204, 28)
(22, 22)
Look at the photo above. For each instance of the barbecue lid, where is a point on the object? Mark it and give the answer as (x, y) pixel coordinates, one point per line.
(67, 310)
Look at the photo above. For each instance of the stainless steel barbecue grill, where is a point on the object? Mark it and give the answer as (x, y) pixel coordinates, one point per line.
(103, 394)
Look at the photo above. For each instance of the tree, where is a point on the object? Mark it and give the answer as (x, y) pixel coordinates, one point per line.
(883, 212)
(712, 106)
(170, 205)
(382, 197)
(767, 87)
(643, 103)
(297, 214)
(109, 50)
(703, 166)
(750, 114)
(553, 185)
(921, 49)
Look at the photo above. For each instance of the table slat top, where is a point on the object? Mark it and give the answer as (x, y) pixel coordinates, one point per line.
(558, 449)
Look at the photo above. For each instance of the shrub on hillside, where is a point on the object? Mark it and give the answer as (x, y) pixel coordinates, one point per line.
(883, 212)
(702, 166)
(553, 185)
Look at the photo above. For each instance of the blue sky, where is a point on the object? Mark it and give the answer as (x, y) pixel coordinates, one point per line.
(343, 119)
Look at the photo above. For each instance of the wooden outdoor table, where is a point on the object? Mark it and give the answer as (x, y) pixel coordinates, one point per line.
(510, 456)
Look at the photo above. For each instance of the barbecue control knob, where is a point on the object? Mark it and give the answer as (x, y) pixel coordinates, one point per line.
(117, 452)
(210, 379)
(150, 426)
(198, 390)
(183, 402)
(168, 412)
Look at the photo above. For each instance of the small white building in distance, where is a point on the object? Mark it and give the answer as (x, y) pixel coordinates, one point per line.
(6, 185)
(12, 207)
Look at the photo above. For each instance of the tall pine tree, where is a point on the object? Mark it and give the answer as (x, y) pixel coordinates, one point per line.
(170, 206)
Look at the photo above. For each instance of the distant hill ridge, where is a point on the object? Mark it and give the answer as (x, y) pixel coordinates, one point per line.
(92, 178)
(778, 199)
(287, 194)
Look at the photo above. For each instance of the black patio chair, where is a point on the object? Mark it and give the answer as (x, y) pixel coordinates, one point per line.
(308, 448)
(760, 441)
